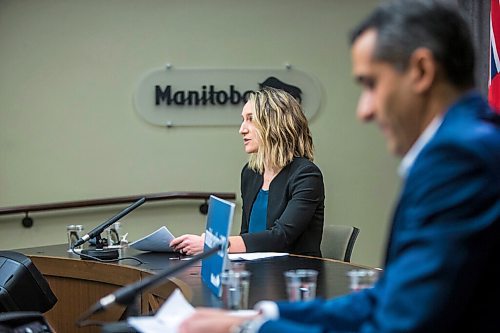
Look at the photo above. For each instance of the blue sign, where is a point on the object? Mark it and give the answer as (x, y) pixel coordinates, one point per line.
(219, 220)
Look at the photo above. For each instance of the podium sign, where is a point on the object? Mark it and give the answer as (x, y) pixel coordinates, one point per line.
(219, 220)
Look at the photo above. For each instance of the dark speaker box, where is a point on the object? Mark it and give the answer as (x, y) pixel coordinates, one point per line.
(22, 286)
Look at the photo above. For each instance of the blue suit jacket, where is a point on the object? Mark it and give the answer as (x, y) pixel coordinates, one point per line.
(442, 270)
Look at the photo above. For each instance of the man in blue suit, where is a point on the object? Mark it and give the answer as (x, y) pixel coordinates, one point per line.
(414, 61)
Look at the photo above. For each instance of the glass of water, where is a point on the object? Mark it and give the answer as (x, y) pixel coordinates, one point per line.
(301, 284)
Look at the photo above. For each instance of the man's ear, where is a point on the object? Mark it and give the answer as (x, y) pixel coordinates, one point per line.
(423, 68)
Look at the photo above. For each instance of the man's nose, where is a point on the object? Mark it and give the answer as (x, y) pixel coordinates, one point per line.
(366, 108)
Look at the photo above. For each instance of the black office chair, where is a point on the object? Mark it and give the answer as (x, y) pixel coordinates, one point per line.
(338, 241)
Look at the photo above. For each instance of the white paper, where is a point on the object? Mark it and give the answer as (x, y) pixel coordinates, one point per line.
(171, 314)
(158, 241)
(255, 255)
(168, 318)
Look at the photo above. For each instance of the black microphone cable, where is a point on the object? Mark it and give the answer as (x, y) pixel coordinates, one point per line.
(105, 260)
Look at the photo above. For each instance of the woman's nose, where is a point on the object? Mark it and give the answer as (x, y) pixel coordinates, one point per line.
(243, 129)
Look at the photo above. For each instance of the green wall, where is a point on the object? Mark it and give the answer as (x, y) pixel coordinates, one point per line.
(68, 130)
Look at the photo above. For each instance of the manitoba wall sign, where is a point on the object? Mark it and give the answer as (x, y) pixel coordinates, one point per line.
(215, 97)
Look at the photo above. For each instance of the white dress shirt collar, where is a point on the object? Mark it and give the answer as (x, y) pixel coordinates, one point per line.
(424, 138)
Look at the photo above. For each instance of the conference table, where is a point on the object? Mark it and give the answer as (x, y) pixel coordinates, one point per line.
(78, 284)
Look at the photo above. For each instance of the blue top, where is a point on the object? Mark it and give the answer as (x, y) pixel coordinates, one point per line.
(258, 215)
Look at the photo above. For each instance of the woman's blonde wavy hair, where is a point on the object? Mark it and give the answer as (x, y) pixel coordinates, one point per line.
(282, 129)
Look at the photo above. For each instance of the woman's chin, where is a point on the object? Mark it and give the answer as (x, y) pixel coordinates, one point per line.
(249, 150)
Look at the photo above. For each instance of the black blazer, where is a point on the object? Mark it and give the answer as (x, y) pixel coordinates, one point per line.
(295, 209)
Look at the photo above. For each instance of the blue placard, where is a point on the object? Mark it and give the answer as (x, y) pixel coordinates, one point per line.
(219, 220)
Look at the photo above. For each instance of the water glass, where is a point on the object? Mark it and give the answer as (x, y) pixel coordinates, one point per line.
(114, 234)
(74, 232)
(362, 278)
(235, 287)
(301, 284)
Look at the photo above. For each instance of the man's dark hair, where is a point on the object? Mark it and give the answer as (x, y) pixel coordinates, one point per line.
(402, 26)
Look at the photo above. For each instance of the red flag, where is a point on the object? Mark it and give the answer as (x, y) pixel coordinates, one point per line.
(494, 80)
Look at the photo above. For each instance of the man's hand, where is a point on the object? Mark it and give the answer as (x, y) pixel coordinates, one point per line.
(206, 320)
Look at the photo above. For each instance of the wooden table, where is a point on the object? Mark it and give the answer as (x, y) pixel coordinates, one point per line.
(78, 284)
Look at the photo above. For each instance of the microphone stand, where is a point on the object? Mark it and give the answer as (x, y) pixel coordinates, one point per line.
(127, 295)
(99, 252)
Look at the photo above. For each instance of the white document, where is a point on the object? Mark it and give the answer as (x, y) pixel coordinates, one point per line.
(168, 318)
(171, 314)
(255, 255)
(158, 241)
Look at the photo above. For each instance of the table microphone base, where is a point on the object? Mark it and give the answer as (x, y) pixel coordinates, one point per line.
(102, 254)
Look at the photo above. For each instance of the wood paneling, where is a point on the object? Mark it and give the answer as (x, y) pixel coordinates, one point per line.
(78, 284)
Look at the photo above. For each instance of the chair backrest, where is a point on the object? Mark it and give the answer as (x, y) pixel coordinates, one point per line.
(338, 241)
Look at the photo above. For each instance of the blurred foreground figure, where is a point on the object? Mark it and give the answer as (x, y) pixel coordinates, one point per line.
(414, 61)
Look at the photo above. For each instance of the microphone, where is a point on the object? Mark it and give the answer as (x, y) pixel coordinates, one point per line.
(126, 295)
(99, 229)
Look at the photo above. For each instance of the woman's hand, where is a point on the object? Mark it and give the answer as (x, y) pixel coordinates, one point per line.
(188, 244)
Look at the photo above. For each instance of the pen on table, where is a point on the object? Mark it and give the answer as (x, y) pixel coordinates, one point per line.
(179, 258)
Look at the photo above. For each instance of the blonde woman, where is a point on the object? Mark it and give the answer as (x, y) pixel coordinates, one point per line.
(281, 188)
